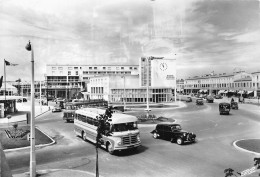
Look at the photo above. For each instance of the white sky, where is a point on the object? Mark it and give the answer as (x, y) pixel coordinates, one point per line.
(206, 35)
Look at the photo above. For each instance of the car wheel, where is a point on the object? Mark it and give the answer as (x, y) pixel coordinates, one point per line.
(110, 149)
(179, 141)
(155, 135)
(84, 136)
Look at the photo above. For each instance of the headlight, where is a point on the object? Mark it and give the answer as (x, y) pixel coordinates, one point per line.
(138, 137)
(119, 143)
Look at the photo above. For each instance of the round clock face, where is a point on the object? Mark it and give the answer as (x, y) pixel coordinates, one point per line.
(163, 66)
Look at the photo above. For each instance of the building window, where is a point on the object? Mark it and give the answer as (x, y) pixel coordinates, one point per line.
(95, 67)
(60, 68)
(117, 68)
(122, 67)
(77, 73)
(130, 67)
(69, 73)
(104, 68)
(109, 68)
(61, 72)
(69, 68)
(135, 68)
(53, 68)
(53, 72)
(76, 68)
(89, 67)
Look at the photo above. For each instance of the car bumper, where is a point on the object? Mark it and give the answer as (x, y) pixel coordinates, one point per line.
(127, 146)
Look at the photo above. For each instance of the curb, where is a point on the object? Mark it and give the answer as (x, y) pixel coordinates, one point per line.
(36, 146)
(245, 150)
(49, 171)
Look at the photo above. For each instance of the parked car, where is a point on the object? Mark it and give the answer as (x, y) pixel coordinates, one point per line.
(189, 99)
(172, 132)
(56, 108)
(234, 105)
(224, 108)
(22, 100)
(218, 97)
(210, 99)
(199, 101)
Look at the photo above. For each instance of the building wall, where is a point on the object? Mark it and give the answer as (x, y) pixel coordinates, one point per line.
(236, 82)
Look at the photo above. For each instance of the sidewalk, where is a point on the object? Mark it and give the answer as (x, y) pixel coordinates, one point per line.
(23, 109)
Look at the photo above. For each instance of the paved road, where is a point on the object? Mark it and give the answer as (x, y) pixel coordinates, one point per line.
(209, 156)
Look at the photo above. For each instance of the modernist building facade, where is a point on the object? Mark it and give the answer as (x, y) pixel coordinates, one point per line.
(158, 73)
(237, 83)
(67, 80)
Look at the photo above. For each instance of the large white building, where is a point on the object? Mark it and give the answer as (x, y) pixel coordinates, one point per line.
(66, 80)
(133, 88)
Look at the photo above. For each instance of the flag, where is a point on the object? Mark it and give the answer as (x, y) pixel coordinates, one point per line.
(1, 81)
(7, 63)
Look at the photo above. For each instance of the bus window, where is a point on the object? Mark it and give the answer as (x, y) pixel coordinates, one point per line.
(124, 127)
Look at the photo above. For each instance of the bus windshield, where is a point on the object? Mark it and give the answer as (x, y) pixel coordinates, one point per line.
(124, 127)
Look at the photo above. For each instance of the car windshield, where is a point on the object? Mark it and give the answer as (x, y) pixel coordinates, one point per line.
(124, 127)
(176, 127)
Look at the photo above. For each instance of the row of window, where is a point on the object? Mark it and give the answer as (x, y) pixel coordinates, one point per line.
(231, 85)
(86, 119)
(106, 72)
(94, 67)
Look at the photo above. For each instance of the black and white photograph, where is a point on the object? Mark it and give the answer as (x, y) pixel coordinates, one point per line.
(129, 88)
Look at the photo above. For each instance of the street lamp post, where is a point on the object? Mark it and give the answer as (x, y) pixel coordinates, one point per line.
(124, 93)
(29, 47)
(147, 86)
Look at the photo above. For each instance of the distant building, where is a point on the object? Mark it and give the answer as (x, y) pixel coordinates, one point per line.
(235, 83)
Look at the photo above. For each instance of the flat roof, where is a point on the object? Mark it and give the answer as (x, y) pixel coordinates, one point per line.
(10, 97)
(116, 118)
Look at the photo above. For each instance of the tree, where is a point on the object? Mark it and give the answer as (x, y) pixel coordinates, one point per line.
(101, 129)
(229, 172)
(257, 162)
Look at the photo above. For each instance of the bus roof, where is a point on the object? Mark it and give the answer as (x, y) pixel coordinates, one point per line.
(116, 118)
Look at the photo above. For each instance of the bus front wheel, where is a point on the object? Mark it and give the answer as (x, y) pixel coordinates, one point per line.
(110, 148)
(84, 136)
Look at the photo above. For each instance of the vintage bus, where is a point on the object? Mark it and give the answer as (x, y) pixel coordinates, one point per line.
(122, 131)
(71, 107)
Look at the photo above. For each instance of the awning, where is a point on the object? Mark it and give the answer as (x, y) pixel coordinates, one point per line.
(248, 92)
(240, 92)
(225, 91)
(221, 91)
(232, 91)
(205, 91)
(200, 90)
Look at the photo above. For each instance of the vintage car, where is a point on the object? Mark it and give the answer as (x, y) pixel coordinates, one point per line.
(56, 108)
(199, 101)
(234, 105)
(172, 132)
(218, 97)
(189, 99)
(224, 108)
(210, 99)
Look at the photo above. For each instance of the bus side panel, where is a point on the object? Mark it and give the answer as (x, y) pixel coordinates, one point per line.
(90, 130)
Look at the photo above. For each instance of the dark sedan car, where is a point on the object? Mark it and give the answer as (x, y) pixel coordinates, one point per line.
(224, 108)
(199, 101)
(56, 108)
(172, 132)
(210, 99)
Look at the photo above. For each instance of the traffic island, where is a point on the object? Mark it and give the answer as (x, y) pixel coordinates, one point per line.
(13, 138)
(248, 145)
